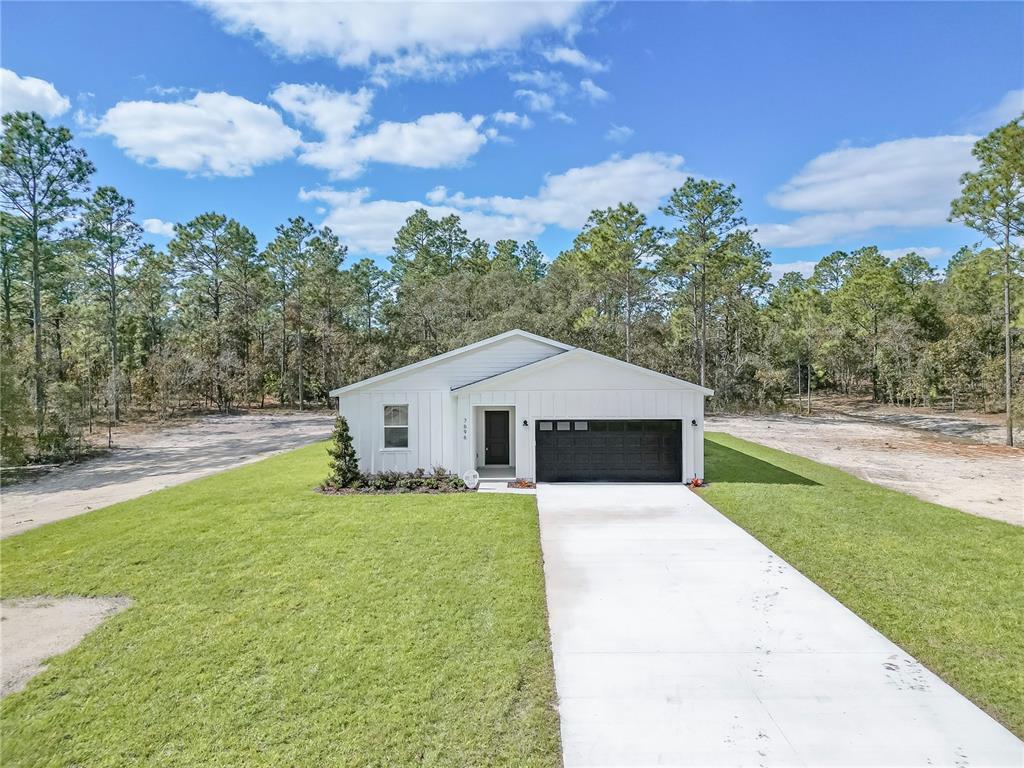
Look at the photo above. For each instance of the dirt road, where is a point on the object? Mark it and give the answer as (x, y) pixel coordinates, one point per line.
(983, 479)
(149, 461)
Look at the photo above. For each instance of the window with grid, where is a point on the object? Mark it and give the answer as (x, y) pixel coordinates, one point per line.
(396, 426)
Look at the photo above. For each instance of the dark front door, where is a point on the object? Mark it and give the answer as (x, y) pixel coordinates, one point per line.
(496, 437)
(577, 450)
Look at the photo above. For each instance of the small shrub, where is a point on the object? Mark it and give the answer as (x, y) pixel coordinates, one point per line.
(344, 462)
(438, 481)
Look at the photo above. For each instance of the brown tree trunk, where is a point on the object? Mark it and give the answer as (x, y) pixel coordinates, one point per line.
(1007, 346)
(808, 389)
(301, 382)
(703, 323)
(37, 333)
(629, 316)
(113, 340)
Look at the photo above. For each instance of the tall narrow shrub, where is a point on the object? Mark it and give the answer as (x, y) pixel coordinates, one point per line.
(344, 462)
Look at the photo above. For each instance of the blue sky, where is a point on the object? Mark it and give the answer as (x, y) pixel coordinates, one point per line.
(841, 124)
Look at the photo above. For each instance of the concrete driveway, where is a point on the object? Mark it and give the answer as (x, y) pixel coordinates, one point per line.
(679, 639)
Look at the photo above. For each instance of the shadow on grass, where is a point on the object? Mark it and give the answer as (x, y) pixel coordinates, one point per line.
(727, 465)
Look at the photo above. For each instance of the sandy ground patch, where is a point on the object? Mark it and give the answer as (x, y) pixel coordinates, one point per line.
(147, 461)
(970, 425)
(982, 479)
(35, 628)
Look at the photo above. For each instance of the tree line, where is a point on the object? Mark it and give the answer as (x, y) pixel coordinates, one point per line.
(98, 326)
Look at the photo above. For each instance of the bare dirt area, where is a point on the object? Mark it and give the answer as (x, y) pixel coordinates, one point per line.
(148, 460)
(970, 425)
(982, 479)
(35, 628)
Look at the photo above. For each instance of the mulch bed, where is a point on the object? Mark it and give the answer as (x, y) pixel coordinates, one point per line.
(390, 491)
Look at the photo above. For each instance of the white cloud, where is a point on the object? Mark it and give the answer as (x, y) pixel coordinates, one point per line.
(432, 141)
(172, 90)
(882, 176)
(536, 101)
(805, 268)
(929, 253)
(544, 91)
(30, 94)
(541, 80)
(158, 227)
(334, 114)
(573, 57)
(212, 133)
(369, 226)
(420, 66)
(566, 199)
(1010, 107)
(563, 200)
(437, 195)
(513, 118)
(818, 229)
(395, 38)
(852, 190)
(592, 90)
(619, 133)
(86, 120)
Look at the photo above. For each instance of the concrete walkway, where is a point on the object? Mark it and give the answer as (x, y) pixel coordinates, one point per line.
(680, 640)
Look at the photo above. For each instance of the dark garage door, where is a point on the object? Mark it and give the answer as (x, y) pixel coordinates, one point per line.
(616, 451)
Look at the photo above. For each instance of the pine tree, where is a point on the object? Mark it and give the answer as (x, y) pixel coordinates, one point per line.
(344, 463)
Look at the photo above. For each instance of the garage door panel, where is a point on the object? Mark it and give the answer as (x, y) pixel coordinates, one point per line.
(607, 450)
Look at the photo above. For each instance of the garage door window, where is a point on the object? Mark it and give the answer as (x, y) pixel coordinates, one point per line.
(396, 426)
(563, 426)
(544, 426)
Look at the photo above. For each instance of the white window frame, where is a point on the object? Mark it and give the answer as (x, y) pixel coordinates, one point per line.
(385, 427)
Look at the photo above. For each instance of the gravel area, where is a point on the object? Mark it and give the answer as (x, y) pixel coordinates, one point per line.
(147, 461)
(979, 478)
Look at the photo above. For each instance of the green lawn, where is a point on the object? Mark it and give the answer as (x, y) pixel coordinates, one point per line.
(946, 586)
(275, 626)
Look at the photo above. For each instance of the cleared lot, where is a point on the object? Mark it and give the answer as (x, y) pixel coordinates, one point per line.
(149, 461)
(982, 479)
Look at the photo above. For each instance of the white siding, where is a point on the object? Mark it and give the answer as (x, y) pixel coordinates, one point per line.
(534, 404)
(428, 429)
(445, 426)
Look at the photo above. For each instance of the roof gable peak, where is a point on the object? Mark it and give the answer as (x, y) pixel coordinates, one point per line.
(491, 340)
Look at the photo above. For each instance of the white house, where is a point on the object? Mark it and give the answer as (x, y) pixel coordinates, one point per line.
(518, 405)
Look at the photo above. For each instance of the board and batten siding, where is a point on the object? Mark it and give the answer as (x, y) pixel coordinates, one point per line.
(532, 405)
(535, 380)
(429, 413)
(427, 392)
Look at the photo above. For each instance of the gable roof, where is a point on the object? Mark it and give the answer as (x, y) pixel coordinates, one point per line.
(574, 354)
(453, 353)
